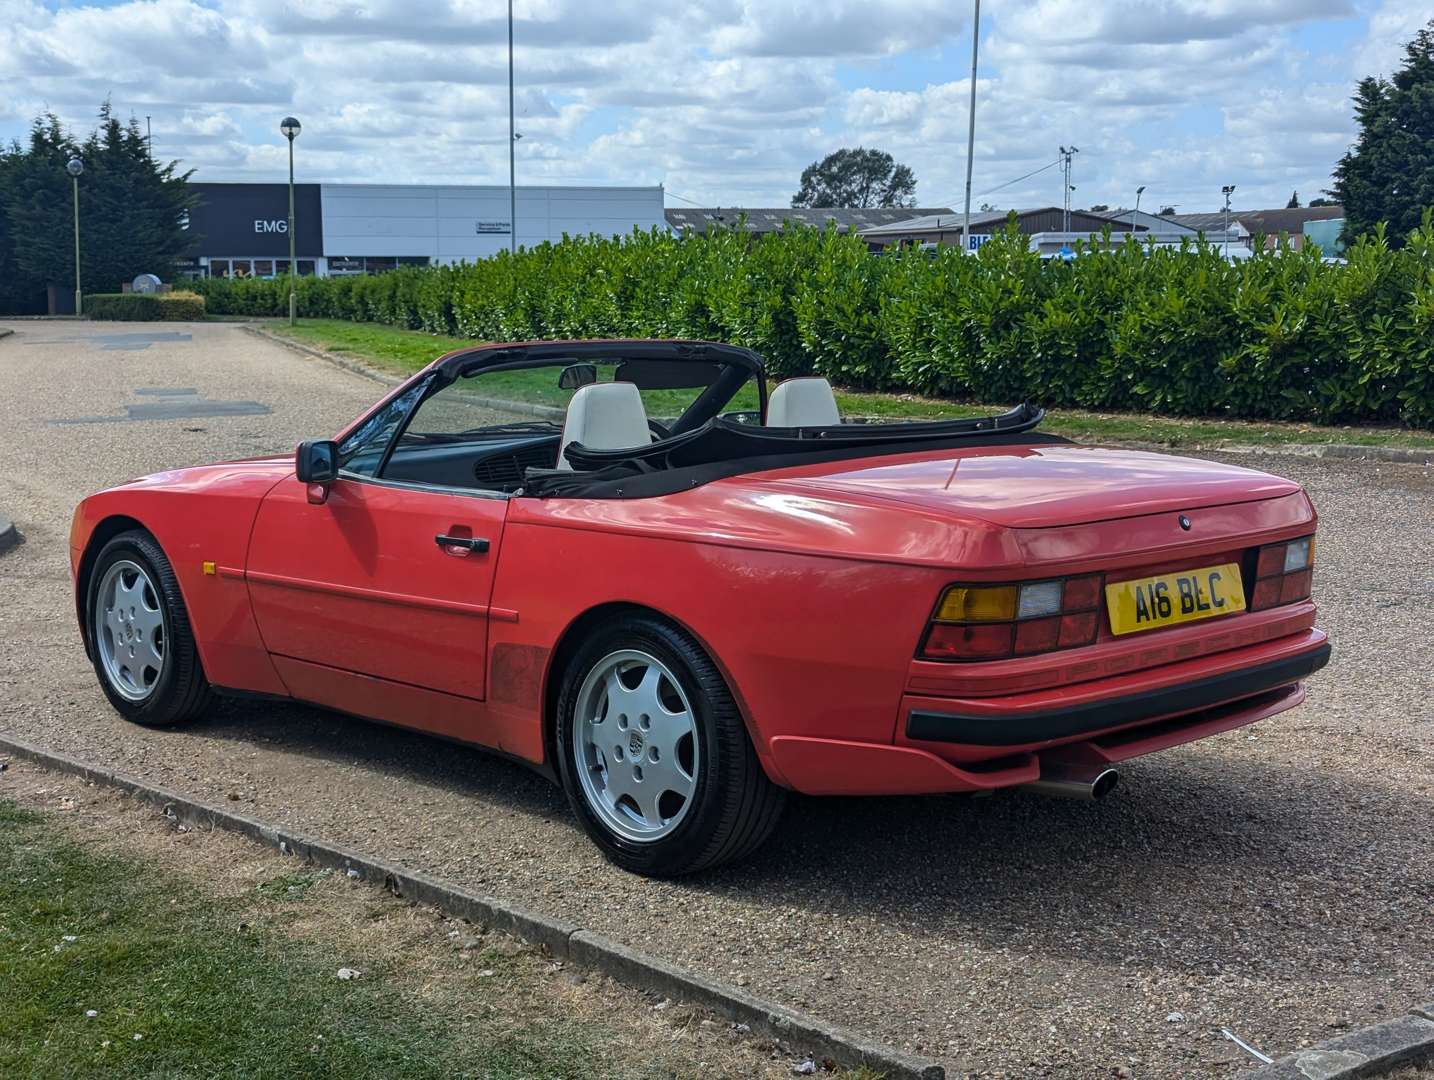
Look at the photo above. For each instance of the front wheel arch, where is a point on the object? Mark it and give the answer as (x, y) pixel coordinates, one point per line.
(105, 531)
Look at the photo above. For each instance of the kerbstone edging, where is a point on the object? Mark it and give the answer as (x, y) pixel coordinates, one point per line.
(9, 535)
(5, 331)
(1370, 1051)
(356, 367)
(563, 940)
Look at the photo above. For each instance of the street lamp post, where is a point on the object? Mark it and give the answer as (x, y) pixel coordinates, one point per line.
(1067, 152)
(291, 128)
(1227, 191)
(1136, 212)
(971, 129)
(512, 147)
(75, 167)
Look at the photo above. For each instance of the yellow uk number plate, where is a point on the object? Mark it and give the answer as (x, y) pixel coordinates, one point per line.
(1168, 599)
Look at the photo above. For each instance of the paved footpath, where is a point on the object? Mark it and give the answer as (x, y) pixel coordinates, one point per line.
(1277, 880)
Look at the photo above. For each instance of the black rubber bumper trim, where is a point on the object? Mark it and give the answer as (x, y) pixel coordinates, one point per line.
(1021, 728)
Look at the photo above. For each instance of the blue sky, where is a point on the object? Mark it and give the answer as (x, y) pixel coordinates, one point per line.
(725, 101)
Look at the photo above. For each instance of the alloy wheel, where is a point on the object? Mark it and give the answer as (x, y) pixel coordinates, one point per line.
(635, 743)
(129, 630)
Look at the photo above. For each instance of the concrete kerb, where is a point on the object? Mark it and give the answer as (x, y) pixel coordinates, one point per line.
(5, 331)
(1370, 1051)
(562, 939)
(9, 535)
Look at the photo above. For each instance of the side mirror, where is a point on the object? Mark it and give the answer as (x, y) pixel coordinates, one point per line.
(576, 376)
(316, 463)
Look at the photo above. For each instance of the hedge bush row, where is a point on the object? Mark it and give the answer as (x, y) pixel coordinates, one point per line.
(1281, 335)
(145, 307)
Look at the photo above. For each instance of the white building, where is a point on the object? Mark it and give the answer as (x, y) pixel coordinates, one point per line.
(242, 229)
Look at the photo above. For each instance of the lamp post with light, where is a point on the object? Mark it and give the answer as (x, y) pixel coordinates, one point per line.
(291, 128)
(1136, 212)
(1227, 191)
(75, 167)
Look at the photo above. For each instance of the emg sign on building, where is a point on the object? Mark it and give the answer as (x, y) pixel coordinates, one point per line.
(241, 230)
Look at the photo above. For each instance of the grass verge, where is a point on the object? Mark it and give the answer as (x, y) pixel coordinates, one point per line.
(406, 351)
(130, 949)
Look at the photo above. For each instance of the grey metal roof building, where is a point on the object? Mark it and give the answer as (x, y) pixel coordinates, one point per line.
(1269, 222)
(759, 220)
(945, 227)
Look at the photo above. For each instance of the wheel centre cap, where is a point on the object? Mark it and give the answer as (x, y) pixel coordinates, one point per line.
(634, 743)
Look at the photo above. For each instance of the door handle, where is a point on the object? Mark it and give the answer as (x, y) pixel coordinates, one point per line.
(470, 543)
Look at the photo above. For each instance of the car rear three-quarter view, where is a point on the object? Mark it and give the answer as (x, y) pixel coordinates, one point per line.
(631, 567)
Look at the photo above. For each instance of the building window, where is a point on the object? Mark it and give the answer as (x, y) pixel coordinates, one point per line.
(263, 268)
(345, 264)
(241, 268)
(377, 264)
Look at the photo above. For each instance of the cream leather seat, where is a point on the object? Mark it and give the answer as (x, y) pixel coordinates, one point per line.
(805, 402)
(604, 416)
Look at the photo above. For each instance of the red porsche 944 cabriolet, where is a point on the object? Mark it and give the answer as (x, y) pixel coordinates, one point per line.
(628, 565)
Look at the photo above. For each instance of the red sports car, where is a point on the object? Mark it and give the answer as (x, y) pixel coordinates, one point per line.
(627, 565)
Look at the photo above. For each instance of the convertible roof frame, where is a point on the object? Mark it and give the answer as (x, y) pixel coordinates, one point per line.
(464, 362)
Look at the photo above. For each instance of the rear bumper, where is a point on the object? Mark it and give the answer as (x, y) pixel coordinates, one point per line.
(1042, 725)
(983, 744)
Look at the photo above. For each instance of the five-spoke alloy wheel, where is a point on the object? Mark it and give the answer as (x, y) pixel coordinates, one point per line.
(139, 635)
(654, 754)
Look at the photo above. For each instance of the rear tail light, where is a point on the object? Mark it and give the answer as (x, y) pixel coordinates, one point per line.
(1283, 573)
(990, 622)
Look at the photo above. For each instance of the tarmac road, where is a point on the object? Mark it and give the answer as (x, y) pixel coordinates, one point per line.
(1276, 880)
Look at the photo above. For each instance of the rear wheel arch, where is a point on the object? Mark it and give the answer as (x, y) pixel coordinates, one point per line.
(578, 632)
(107, 529)
(731, 803)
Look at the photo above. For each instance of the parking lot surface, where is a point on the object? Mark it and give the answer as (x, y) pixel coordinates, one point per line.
(1277, 880)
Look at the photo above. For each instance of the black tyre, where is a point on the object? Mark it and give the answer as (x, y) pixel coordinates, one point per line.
(140, 639)
(653, 753)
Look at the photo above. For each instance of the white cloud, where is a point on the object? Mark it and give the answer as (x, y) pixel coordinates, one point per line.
(836, 27)
(725, 101)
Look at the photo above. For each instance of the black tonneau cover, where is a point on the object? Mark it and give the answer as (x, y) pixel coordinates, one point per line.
(724, 447)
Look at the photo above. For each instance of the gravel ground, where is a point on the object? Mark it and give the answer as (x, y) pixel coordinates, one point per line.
(1275, 880)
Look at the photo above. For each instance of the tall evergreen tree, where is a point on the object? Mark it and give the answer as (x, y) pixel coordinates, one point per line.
(1294, 203)
(15, 296)
(39, 211)
(133, 210)
(1388, 175)
(130, 211)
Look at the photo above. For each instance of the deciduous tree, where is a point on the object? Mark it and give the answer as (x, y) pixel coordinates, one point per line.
(853, 178)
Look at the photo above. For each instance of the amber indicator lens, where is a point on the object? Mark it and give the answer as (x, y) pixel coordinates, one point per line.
(990, 622)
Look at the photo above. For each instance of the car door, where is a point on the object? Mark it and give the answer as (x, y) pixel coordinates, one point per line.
(365, 581)
(384, 577)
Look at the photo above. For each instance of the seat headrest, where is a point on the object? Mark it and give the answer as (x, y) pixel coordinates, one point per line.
(604, 416)
(807, 402)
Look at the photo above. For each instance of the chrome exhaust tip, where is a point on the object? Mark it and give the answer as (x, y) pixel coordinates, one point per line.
(1065, 781)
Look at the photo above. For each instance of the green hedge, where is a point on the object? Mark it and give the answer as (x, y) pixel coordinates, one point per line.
(1281, 335)
(145, 307)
